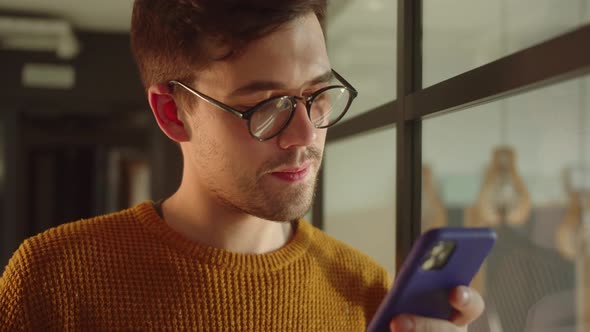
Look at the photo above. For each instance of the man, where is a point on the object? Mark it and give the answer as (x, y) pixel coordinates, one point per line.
(247, 90)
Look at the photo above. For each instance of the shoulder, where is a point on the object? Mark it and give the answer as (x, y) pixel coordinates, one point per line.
(51, 264)
(75, 242)
(64, 255)
(101, 229)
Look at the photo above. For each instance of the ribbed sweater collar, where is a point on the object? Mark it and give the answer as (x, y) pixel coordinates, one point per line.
(146, 215)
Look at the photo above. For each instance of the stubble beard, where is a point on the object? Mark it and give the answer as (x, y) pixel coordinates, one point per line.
(266, 201)
(267, 198)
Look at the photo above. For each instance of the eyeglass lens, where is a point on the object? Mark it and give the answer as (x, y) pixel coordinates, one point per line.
(326, 109)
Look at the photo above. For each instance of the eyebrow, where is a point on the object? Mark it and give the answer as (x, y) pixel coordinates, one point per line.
(256, 86)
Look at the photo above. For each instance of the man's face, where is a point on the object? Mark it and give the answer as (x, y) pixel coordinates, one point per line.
(274, 179)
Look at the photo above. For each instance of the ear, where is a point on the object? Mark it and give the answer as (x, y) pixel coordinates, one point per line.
(166, 113)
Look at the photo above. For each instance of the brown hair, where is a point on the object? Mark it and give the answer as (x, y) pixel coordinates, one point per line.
(171, 39)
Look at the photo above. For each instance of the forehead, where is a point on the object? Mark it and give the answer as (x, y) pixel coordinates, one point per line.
(293, 54)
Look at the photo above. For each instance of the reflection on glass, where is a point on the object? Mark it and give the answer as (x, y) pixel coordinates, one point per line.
(361, 38)
(460, 35)
(360, 193)
(522, 166)
(503, 197)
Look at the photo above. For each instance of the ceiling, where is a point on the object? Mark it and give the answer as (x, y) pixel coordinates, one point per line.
(91, 15)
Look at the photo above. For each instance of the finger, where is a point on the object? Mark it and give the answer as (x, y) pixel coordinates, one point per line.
(468, 303)
(408, 323)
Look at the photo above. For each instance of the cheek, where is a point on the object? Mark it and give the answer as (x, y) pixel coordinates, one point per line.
(242, 150)
(215, 125)
(224, 143)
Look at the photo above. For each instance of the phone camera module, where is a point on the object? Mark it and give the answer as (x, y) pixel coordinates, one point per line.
(439, 255)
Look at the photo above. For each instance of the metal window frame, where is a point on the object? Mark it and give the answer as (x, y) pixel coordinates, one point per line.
(557, 59)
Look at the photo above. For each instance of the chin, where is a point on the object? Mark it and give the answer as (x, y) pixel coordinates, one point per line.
(287, 205)
(268, 201)
(287, 211)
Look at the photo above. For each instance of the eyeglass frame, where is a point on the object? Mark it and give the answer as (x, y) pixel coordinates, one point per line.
(247, 114)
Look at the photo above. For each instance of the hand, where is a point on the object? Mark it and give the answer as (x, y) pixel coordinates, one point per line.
(468, 303)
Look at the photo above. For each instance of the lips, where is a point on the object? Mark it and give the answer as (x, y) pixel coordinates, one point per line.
(292, 174)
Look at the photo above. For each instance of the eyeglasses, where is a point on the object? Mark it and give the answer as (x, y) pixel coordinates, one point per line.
(270, 117)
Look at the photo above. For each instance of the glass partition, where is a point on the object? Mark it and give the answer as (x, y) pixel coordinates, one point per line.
(359, 193)
(520, 165)
(361, 38)
(460, 35)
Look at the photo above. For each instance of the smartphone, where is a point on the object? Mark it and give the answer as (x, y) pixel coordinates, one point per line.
(441, 259)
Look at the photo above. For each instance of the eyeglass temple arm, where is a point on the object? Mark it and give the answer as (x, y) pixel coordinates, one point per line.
(343, 80)
(207, 98)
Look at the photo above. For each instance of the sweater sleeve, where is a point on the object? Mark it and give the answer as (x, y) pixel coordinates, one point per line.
(13, 290)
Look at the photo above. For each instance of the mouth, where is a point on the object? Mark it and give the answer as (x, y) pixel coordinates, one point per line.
(292, 174)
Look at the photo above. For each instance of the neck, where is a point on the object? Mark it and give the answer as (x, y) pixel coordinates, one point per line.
(200, 218)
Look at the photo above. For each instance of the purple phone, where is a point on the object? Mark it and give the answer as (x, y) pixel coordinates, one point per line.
(441, 260)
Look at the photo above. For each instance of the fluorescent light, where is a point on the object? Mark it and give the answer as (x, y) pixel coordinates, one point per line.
(38, 34)
(48, 76)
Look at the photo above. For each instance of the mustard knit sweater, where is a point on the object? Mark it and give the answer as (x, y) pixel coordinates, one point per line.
(129, 271)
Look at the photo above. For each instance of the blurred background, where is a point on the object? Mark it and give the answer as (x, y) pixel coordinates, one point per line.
(518, 162)
(77, 138)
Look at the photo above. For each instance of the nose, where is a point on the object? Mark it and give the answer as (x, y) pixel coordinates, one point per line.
(300, 132)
